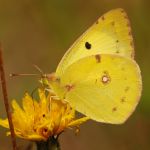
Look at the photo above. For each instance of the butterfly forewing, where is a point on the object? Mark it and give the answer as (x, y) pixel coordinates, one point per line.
(110, 34)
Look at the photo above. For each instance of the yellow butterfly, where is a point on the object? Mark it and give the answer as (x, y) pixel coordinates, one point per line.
(98, 75)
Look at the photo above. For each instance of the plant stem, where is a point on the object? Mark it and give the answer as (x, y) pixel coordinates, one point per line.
(5, 96)
(51, 144)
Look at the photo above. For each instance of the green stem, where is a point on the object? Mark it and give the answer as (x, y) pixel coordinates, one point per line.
(51, 144)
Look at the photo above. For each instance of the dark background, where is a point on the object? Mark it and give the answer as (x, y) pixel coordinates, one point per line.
(40, 31)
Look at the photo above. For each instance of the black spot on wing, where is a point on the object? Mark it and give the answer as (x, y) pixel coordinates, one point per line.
(88, 45)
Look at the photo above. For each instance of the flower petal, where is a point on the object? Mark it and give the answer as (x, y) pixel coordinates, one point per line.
(28, 104)
(78, 121)
(4, 123)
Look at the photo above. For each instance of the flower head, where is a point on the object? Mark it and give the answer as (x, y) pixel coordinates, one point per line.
(39, 120)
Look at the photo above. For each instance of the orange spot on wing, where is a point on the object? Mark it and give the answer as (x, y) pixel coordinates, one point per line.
(69, 87)
(114, 109)
(112, 23)
(98, 58)
(103, 18)
(126, 89)
(97, 22)
(131, 43)
(123, 99)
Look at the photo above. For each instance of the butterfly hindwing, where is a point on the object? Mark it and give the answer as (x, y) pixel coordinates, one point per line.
(104, 87)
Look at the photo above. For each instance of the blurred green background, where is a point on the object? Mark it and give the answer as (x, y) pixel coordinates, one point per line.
(40, 31)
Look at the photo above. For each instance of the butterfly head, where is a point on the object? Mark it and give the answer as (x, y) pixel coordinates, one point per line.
(47, 79)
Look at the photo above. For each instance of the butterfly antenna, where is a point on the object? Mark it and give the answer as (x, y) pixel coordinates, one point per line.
(22, 74)
(38, 68)
(28, 74)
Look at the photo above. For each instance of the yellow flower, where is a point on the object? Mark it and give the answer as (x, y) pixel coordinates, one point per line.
(39, 120)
